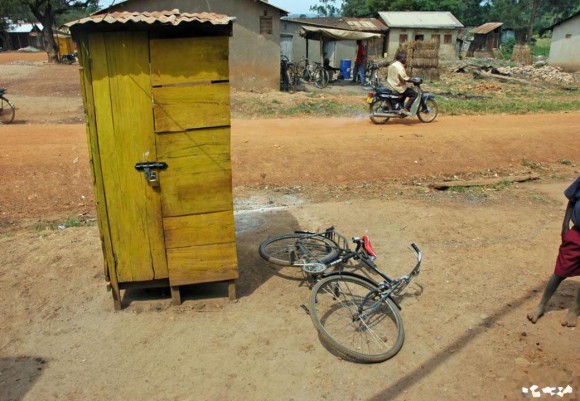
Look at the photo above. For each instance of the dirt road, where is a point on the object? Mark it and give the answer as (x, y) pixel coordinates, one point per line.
(488, 253)
(46, 166)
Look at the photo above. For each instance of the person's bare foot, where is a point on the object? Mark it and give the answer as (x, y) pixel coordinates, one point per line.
(571, 318)
(535, 314)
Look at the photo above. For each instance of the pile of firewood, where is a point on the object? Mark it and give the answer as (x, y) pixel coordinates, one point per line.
(526, 74)
(547, 73)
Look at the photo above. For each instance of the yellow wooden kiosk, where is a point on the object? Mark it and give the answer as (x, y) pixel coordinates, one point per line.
(157, 101)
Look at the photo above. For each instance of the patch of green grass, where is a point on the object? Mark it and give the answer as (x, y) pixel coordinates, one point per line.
(539, 198)
(541, 47)
(504, 184)
(72, 222)
(461, 189)
(532, 164)
(506, 105)
(565, 162)
(324, 107)
(56, 225)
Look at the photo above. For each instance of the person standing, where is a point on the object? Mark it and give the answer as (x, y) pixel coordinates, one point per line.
(568, 261)
(397, 79)
(360, 63)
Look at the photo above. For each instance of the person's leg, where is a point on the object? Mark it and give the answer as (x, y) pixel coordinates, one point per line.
(354, 73)
(573, 313)
(361, 73)
(411, 95)
(551, 288)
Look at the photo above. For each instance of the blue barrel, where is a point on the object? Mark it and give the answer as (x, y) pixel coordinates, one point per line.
(345, 64)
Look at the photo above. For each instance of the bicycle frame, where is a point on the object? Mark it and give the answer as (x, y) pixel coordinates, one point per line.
(387, 287)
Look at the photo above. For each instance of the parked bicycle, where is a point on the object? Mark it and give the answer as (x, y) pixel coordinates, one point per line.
(288, 77)
(7, 109)
(312, 72)
(372, 75)
(356, 316)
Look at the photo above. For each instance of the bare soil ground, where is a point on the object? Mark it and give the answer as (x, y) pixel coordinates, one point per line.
(488, 253)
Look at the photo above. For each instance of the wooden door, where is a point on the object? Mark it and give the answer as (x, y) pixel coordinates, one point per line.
(191, 98)
(123, 136)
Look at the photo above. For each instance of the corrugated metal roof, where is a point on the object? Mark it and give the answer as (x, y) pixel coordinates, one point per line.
(173, 17)
(420, 19)
(22, 28)
(122, 4)
(487, 27)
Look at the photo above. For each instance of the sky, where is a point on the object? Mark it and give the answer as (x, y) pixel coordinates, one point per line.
(295, 6)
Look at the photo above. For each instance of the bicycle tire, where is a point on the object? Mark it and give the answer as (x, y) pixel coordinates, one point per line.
(320, 78)
(326, 76)
(291, 73)
(278, 249)
(301, 67)
(375, 80)
(334, 306)
(7, 111)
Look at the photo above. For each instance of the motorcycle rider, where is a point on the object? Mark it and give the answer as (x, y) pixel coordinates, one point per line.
(397, 78)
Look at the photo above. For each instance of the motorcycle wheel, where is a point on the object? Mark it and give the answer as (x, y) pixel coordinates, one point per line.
(378, 107)
(428, 111)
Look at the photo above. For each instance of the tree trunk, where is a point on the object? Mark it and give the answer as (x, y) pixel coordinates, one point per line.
(532, 20)
(46, 18)
(50, 43)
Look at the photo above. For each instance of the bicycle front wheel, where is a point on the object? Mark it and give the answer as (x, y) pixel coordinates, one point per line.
(321, 78)
(286, 250)
(7, 111)
(428, 111)
(354, 320)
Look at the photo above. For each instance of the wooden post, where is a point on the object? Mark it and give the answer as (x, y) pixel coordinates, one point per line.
(175, 296)
(232, 290)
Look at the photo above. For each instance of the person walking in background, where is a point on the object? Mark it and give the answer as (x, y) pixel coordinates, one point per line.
(360, 63)
(568, 262)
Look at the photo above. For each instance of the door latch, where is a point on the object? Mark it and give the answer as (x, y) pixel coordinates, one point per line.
(150, 170)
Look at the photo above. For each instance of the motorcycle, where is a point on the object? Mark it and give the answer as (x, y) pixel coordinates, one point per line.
(385, 103)
(68, 58)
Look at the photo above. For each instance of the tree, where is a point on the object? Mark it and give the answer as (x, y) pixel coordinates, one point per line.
(523, 15)
(356, 8)
(326, 8)
(10, 11)
(51, 12)
(469, 12)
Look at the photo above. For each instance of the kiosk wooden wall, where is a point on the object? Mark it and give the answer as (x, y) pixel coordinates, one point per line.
(158, 126)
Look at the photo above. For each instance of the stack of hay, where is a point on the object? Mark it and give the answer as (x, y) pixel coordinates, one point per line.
(522, 54)
(422, 59)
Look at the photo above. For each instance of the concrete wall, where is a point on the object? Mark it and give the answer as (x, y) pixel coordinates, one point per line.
(254, 58)
(446, 51)
(565, 44)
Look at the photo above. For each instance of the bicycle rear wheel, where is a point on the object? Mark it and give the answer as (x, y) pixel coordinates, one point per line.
(7, 111)
(351, 317)
(301, 67)
(284, 250)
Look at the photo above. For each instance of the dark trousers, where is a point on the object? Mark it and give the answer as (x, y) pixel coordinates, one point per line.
(411, 95)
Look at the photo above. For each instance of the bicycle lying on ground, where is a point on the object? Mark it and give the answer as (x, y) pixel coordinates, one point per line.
(356, 316)
(7, 110)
